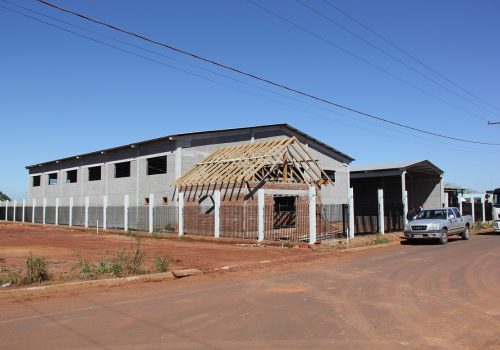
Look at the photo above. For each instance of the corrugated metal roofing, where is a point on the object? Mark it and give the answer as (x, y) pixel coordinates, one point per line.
(421, 165)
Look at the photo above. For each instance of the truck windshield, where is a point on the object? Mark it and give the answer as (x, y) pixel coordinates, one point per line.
(432, 214)
(496, 197)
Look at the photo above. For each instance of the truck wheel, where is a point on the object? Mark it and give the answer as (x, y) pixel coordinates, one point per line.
(466, 234)
(444, 237)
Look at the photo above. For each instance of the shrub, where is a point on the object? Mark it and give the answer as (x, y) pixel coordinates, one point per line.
(162, 263)
(36, 269)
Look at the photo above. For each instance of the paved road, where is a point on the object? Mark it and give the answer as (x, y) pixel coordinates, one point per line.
(408, 297)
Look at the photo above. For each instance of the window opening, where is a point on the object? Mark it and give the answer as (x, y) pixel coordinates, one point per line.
(52, 179)
(94, 173)
(157, 165)
(122, 169)
(71, 176)
(285, 212)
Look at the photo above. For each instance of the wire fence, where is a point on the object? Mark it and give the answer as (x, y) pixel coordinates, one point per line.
(238, 221)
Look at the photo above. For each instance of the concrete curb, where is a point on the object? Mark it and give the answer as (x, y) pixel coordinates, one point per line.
(108, 282)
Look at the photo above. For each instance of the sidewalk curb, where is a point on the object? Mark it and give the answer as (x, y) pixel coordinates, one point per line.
(108, 282)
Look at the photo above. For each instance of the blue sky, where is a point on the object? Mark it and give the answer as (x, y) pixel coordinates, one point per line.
(62, 94)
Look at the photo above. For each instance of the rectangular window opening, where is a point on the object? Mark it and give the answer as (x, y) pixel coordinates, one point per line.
(330, 174)
(36, 181)
(94, 173)
(71, 176)
(52, 179)
(122, 169)
(285, 213)
(146, 201)
(157, 165)
(164, 200)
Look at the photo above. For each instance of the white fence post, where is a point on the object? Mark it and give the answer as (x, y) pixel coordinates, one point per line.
(70, 214)
(24, 208)
(217, 214)
(181, 213)
(151, 211)
(351, 213)
(381, 216)
(483, 207)
(260, 211)
(57, 211)
(405, 207)
(87, 202)
(33, 211)
(312, 215)
(473, 213)
(44, 210)
(14, 210)
(125, 213)
(6, 210)
(104, 212)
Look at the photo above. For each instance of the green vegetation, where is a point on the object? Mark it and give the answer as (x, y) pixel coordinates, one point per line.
(4, 197)
(162, 263)
(378, 240)
(35, 271)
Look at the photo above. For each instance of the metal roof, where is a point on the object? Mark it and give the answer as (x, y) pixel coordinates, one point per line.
(174, 136)
(416, 166)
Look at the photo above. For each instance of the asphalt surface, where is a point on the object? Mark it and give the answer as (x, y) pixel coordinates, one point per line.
(423, 296)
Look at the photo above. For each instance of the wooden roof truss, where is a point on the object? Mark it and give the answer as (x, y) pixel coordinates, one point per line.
(279, 160)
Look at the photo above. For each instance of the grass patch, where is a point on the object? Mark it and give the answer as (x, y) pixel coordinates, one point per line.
(378, 240)
(35, 271)
(162, 263)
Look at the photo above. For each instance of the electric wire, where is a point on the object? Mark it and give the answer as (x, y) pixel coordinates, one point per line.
(413, 57)
(388, 54)
(447, 146)
(265, 80)
(371, 64)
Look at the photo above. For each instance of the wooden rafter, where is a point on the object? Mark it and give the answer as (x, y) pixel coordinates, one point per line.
(284, 159)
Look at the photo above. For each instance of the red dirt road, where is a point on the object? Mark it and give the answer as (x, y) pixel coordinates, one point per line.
(410, 296)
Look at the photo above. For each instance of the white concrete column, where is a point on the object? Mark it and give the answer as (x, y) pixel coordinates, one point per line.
(14, 210)
(405, 206)
(150, 211)
(381, 216)
(44, 210)
(181, 213)
(441, 183)
(260, 211)
(351, 213)
(460, 203)
(446, 199)
(6, 210)
(24, 208)
(86, 212)
(178, 162)
(483, 206)
(104, 211)
(473, 213)
(125, 212)
(404, 196)
(70, 220)
(217, 214)
(312, 214)
(33, 211)
(57, 211)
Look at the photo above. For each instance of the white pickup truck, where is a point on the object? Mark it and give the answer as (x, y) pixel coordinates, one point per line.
(439, 224)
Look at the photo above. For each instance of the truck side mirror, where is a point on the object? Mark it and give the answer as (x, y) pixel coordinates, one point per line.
(451, 217)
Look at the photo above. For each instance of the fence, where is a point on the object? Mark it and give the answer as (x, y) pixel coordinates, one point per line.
(231, 220)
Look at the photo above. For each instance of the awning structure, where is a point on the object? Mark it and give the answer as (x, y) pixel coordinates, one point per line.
(283, 160)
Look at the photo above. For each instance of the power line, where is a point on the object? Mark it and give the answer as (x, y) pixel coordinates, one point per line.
(371, 64)
(388, 54)
(402, 139)
(410, 55)
(241, 72)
